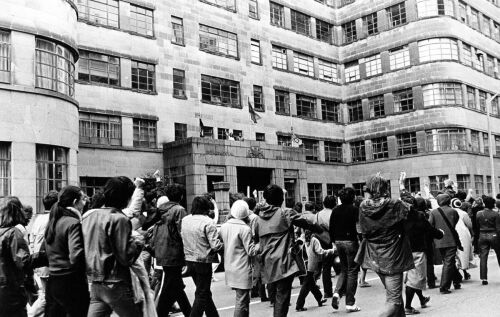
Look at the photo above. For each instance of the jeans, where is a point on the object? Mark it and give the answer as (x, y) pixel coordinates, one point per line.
(283, 293)
(431, 277)
(113, 297)
(13, 301)
(450, 272)
(67, 296)
(271, 292)
(308, 286)
(486, 242)
(347, 281)
(173, 291)
(393, 295)
(202, 277)
(242, 304)
(326, 273)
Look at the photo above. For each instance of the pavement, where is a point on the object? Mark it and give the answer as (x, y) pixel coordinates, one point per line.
(473, 299)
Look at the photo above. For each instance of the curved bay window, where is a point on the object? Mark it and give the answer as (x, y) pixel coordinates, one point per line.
(51, 171)
(55, 67)
(446, 140)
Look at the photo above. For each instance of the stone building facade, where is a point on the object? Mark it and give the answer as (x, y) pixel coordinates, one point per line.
(92, 88)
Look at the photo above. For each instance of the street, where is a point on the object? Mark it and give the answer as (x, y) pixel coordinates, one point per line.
(473, 299)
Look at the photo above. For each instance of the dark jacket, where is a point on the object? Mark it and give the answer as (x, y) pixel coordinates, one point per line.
(385, 248)
(437, 221)
(66, 254)
(419, 230)
(343, 223)
(167, 240)
(488, 221)
(110, 249)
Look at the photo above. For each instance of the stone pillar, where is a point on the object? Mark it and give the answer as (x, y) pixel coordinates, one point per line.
(127, 132)
(382, 21)
(392, 146)
(421, 141)
(321, 151)
(124, 15)
(414, 56)
(368, 150)
(23, 172)
(221, 190)
(288, 18)
(23, 59)
(278, 177)
(346, 151)
(389, 103)
(359, 29)
(293, 104)
(313, 27)
(126, 73)
(385, 60)
(418, 97)
(366, 109)
(319, 113)
(232, 177)
(289, 59)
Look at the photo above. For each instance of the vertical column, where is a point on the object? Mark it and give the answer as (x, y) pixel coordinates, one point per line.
(392, 146)
(319, 113)
(411, 10)
(278, 177)
(481, 142)
(385, 60)
(289, 59)
(414, 56)
(232, 177)
(418, 97)
(366, 109)
(368, 150)
(72, 167)
(343, 113)
(389, 103)
(313, 27)
(421, 141)
(316, 67)
(124, 12)
(23, 63)
(288, 18)
(293, 104)
(346, 150)
(321, 151)
(23, 171)
(382, 21)
(125, 72)
(360, 32)
(127, 132)
(464, 95)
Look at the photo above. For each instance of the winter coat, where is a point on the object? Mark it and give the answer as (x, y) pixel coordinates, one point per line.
(438, 222)
(167, 240)
(385, 248)
(464, 230)
(200, 239)
(238, 250)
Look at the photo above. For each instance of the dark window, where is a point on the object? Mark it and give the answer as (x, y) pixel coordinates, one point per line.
(358, 153)
(143, 76)
(144, 133)
(479, 184)
(446, 140)
(141, 20)
(220, 91)
(463, 182)
(482, 100)
(104, 12)
(237, 135)
(51, 171)
(376, 105)
(99, 68)
(324, 31)
(284, 140)
(180, 131)
(359, 188)
(355, 110)
(218, 41)
(260, 136)
(333, 189)
(91, 185)
(208, 132)
(315, 194)
(330, 110)
(301, 23)
(436, 183)
(258, 98)
(380, 149)
(222, 133)
(5, 58)
(407, 143)
(253, 9)
(349, 31)
(412, 184)
(100, 129)
(311, 148)
(255, 52)
(179, 82)
(306, 106)
(370, 23)
(403, 100)
(471, 97)
(277, 14)
(178, 31)
(396, 14)
(5, 173)
(333, 152)
(282, 100)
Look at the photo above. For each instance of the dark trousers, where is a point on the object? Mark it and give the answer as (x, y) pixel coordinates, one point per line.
(308, 286)
(393, 295)
(242, 304)
(283, 293)
(67, 296)
(203, 302)
(486, 242)
(450, 272)
(431, 277)
(326, 275)
(347, 281)
(410, 293)
(13, 301)
(271, 292)
(173, 291)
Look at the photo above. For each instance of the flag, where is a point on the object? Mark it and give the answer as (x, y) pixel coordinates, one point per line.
(202, 127)
(253, 115)
(296, 141)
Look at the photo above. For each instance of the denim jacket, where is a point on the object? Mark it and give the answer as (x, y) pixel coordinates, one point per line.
(200, 238)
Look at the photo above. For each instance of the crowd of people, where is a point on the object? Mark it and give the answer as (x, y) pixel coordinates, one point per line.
(126, 249)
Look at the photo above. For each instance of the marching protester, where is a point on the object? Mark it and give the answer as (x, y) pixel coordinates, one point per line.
(201, 244)
(324, 238)
(65, 253)
(488, 221)
(465, 234)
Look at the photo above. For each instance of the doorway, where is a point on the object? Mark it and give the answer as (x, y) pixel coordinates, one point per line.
(255, 178)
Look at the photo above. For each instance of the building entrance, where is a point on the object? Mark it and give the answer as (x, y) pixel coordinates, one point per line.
(253, 178)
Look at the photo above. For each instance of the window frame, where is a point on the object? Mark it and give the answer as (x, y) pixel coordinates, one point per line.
(403, 100)
(355, 111)
(303, 64)
(407, 143)
(84, 12)
(5, 169)
(258, 98)
(146, 17)
(218, 41)
(399, 58)
(330, 110)
(255, 52)
(150, 76)
(437, 49)
(146, 131)
(253, 12)
(370, 23)
(226, 88)
(351, 72)
(306, 106)
(109, 66)
(396, 15)
(177, 30)
(373, 65)
(179, 87)
(376, 105)
(300, 22)
(282, 106)
(442, 97)
(358, 151)
(100, 129)
(349, 33)
(50, 158)
(180, 131)
(279, 57)
(277, 14)
(380, 148)
(333, 152)
(5, 56)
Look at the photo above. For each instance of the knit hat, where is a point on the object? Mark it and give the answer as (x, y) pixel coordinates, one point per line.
(239, 210)
(161, 201)
(456, 203)
(443, 199)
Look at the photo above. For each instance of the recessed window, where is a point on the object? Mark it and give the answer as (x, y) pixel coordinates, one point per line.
(330, 110)
(482, 100)
(144, 133)
(51, 171)
(403, 100)
(407, 143)
(436, 183)
(279, 59)
(5, 173)
(324, 31)
(99, 68)
(253, 9)
(474, 19)
(103, 12)
(485, 25)
(179, 82)
(333, 152)
(396, 14)
(55, 67)
(490, 65)
(373, 65)
(143, 76)
(478, 62)
(229, 5)
(486, 143)
(496, 31)
(260, 136)
(258, 98)
(5, 58)
(358, 153)
(462, 12)
(284, 140)
(380, 149)
(412, 184)
(376, 105)
(463, 182)
(91, 185)
(218, 41)
(399, 58)
(327, 71)
(141, 20)
(311, 148)
(222, 133)
(277, 14)
(180, 131)
(207, 132)
(437, 49)
(220, 91)
(351, 72)
(355, 110)
(177, 30)
(314, 192)
(427, 8)
(255, 52)
(466, 54)
(442, 94)
(479, 184)
(282, 101)
(303, 64)
(301, 23)
(438, 140)
(100, 129)
(349, 31)
(333, 189)
(471, 97)
(474, 141)
(306, 106)
(370, 23)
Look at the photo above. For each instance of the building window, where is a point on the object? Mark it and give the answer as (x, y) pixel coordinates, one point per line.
(373, 65)
(479, 184)
(253, 9)
(380, 148)
(496, 31)
(399, 58)
(466, 54)
(260, 137)
(370, 23)
(4, 57)
(474, 19)
(462, 12)
(144, 133)
(103, 12)
(442, 94)
(301, 23)
(330, 110)
(324, 31)
(427, 8)
(351, 71)
(51, 171)
(279, 57)
(436, 183)
(359, 189)
(478, 62)
(463, 182)
(486, 143)
(303, 64)
(100, 129)
(474, 141)
(403, 100)
(99, 68)
(349, 31)
(494, 108)
(218, 41)
(277, 14)
(229, 5)
(497, 145)
(333, 152)
(207, 132)
(407, 143)
(306, 106)
(91, 185)
(327, 71)
(358, 153)
(143, 76)
(412, 184)
(446, 140)
(179, 83)
(376, 105)
(255, 52)
(180, 131)
(471, 97)
(333, 189)
(485, 26)
(237, 135)
(482, 101)
(141, 20)
(282, 100)
(220, 91)
(396, 14)
(258, 98)
(222, 133)
(5, 175)
(55, 67)
(311, 148)
(437, 49)
(490, 65)
(355, 110)
(489, 187)
(284, 140)
(315, 193)
(178, 31)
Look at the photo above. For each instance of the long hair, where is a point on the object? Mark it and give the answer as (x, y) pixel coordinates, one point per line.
(377, 186)
(66, 198)
(11, 212)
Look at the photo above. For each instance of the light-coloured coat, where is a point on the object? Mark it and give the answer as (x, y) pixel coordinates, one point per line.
(238, 250)
(464, 229)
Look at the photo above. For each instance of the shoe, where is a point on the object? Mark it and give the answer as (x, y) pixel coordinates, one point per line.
(424, 302)
(335, 301)
(321, 302)
(265, 299)
(484, 282)
(364, 284)
(431, 286)
(411, 311)
(457, 286)
(444, 291)
(466, 276)
(301, 309)
(352, 308)
(328, 296)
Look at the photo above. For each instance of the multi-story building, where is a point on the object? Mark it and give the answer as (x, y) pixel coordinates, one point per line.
(91, 89)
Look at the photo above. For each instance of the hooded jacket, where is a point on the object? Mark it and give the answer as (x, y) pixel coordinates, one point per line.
(386, 247)
(167, 240)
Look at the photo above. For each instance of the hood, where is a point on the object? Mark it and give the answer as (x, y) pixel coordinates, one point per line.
(267, 211)
(375, 208)
(166, 207)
